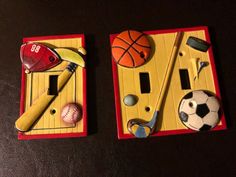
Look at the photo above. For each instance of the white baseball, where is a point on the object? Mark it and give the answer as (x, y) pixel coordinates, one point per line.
(71, 113)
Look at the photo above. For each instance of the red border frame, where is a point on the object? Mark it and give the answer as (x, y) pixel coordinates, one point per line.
(120, 133)
(22, 136)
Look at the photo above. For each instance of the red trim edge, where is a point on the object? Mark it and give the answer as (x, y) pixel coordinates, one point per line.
(21, 135)
(120, 133)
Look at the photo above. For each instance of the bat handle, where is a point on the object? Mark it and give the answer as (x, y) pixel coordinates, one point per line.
(27, 119)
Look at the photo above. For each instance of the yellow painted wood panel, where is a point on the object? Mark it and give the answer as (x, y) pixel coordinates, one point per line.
(129, 82)
(38, 82)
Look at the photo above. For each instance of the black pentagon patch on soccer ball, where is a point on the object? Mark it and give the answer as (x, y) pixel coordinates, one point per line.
(202, 110)
(183, 116)
(189, 95)
(209, 94)
(205, 127)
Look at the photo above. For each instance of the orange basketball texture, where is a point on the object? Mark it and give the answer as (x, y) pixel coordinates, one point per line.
(131, 48)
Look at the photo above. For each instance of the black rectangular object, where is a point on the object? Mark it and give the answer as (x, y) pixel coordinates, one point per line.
(53, 85)
(144, 82)
(184, 79)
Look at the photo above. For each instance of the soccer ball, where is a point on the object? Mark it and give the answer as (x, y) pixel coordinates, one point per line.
(199, 110)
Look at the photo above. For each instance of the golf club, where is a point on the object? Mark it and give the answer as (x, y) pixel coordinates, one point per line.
(140, 128)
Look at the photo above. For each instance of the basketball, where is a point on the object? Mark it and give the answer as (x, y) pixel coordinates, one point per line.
(131, 49)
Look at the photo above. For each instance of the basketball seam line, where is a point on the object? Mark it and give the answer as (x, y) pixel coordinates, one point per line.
(131, 58)
(126, 50)
(128, 44)
(129, 47)
(136, 41)
(129, 55)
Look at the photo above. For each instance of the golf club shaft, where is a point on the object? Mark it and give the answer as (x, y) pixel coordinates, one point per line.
(141, 130)
(170, 66)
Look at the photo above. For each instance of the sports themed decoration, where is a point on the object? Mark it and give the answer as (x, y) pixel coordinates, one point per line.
(38, 57)
(71, 113)
(199, 110)
(131, 49)
(198, 44)
(28, 118)
(130, 100)
(202, 64)
(143, 129)
(170, 68)
(53, 76)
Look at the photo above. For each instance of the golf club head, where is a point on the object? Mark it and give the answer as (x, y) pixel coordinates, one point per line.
(140, 128)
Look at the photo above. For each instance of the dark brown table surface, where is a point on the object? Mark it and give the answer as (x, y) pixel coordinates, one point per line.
(101, 154)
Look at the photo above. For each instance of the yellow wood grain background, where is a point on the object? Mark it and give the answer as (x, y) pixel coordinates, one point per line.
(129, 82)
(38, 82)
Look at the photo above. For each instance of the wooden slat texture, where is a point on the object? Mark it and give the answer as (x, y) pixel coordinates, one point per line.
(38, 82)
(129, 81)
